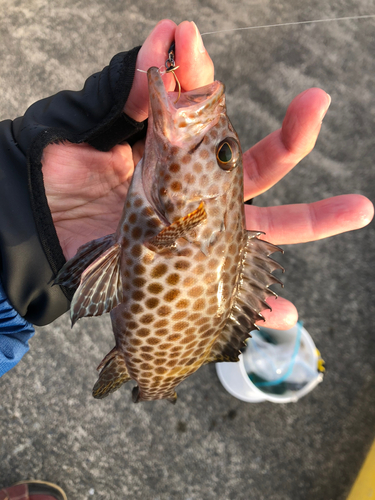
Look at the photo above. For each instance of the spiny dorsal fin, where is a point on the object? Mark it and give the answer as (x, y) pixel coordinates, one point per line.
(70, 274)
(114, 373)
(169, 235)
(101, 286)
(250, 298)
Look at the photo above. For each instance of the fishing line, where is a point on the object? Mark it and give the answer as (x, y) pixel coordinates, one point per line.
(349, 18)
(294, 23)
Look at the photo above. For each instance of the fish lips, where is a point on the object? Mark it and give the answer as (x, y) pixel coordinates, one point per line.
(184, 120)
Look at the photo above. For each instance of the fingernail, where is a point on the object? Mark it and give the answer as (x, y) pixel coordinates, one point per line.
(325, 111)
(200, 45)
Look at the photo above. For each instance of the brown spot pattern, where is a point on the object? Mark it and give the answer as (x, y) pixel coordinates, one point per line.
(172, 311)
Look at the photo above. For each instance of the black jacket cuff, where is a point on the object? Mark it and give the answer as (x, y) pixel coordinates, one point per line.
(30, 250)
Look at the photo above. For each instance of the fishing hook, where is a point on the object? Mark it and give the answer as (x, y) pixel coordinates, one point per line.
(170, 67)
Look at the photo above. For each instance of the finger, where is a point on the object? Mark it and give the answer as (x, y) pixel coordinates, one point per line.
(283, 316)
(196, 68)
(138, 150)
(154, 52)
(273, 157)
(301, 223)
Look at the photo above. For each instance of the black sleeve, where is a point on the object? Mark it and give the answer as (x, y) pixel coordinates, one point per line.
(29, 247)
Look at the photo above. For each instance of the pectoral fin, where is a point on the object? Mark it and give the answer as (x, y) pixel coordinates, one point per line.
(169, 235)
(101, 286)
(70, 274)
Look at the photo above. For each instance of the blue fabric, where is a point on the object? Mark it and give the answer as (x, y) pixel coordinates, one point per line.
(15, 333)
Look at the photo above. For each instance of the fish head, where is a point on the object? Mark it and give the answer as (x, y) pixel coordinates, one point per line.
(193, 154)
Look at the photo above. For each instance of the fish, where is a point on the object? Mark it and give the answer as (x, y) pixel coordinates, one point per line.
(182, 278)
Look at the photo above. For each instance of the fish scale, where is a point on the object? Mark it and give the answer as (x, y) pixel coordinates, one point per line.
(182, 278)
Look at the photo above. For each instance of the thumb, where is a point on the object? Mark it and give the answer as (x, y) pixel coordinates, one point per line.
(154, 52)
(196, 68)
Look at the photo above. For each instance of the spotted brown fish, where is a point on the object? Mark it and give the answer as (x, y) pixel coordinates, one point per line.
(183, 279)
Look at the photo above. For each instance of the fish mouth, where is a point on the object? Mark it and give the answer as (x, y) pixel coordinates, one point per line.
(176, 121)
(184, 120)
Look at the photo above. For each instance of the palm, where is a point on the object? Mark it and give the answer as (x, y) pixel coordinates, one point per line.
(86, 188)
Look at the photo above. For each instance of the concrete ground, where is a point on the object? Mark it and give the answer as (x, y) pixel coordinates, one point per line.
(210, 445)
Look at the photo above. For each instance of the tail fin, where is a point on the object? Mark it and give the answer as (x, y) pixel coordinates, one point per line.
(171, 396)
(113, 375)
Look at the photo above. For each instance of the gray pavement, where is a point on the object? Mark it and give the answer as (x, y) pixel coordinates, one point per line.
(210, 445)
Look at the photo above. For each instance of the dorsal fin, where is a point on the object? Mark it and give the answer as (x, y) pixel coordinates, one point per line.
(101, 286)
(250, 298)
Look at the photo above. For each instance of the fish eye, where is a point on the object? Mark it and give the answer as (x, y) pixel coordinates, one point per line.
(228, 154)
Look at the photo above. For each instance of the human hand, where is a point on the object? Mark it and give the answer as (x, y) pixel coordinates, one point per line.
(86, 188)
(269, 161)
